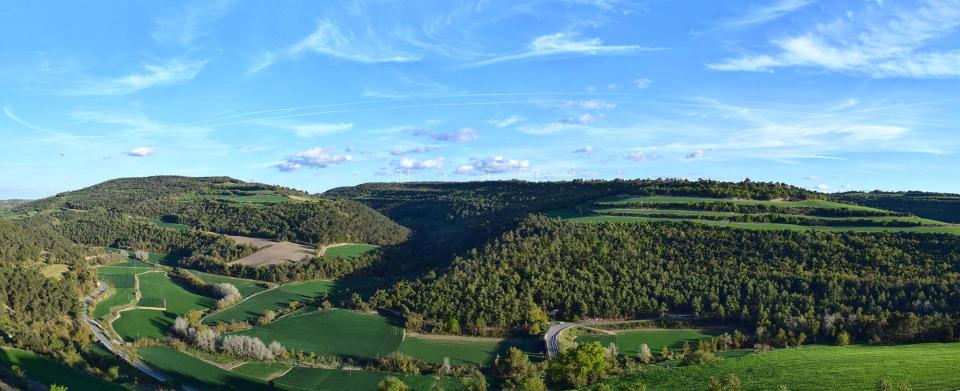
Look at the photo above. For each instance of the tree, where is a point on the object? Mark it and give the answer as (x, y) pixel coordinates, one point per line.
(194, 316)
(514, 368)
(644, 354)
(414, 322)
(57, 387)
(843, 339)
(580, 366)
(537, 320)
(392, 383)
(731, 383)
(267, 317)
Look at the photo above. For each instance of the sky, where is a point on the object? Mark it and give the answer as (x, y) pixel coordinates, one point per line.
(828, 95)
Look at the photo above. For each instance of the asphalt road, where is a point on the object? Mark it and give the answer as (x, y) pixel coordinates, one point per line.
(552, 334)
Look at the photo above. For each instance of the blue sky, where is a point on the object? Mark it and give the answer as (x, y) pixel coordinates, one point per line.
(830, 95)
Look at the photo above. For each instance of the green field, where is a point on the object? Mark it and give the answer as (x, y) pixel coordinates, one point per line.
(189, 370)
(163, 224)
(821, 204)
(465, 351)
(49, 372)
(259, 196)
(338, 380)
(119, 280)
(333, 332)
(954, 230)
(136, 324)
(628, 342)
(179, 300)
(272, 300)
(121, 296)
(246, 287)
(923, 366)
(261, 370)
(349, 251)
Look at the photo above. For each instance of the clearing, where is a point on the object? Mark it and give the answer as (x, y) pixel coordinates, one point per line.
(48, 372)
(628, 341)
(464, 350)
(347, 250)
(246, 287)
(273, 299)
(924, 366)
(339, 380)
(272, 252)
(333, 332)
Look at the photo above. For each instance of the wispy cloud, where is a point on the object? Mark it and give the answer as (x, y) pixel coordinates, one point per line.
(762, 14)
(151, 75)
(457, 136)
(591, 104)
(564, 45)
(586, 149)
(405, 151)
(902, 42)
(189, 23)
(313, 158)
(642, 83)
(310, 129)
(505, 122)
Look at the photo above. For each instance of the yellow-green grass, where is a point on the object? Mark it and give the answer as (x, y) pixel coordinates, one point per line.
(152, 302)
(465, 350)
(349, 250)
(261, 370)
(923, 366)
(122, 281)
(48, 372)
(273, 299)
(338, 380)
(55, 271)
(628, 342)
(333, 332)
(693, 214)
(186, 369)
(246, 287)
(164, 224)
(179, 300)
(947, 229)
(136, 324)
(821, 204)
(121, 297)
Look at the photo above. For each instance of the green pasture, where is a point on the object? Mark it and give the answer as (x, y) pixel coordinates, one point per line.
(260, 370)
(947, 229)
(349, 251)
(155, 302)
(136, 324)
(340, 380)
(922, 366)
(821, 204)
(629, 341)
(192, 371)
(273, 299)
(179, 299)
(48, 372)
(333, 332)
(465, 351)
(246, 287)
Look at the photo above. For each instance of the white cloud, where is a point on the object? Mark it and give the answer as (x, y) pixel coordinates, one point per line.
(457, 136)
(612, 86)
(642, 83)
(592, 104)
(582, 119)
(186, 25)
(141, 152)
(695, 154)
(904, 42)
(503, 123)
(404, 151)
(312, 158)
(564, 45)
(812, 178)
(493, 165)
(307, 130)
(406, 164)
(587, 149)
(823, 187)
(152, 75)
(639, 156)
(328, 39)
(772, 11)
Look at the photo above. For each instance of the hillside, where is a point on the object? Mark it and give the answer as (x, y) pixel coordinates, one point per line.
(937, 206)
(229, 206)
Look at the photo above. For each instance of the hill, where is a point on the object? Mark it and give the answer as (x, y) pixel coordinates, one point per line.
(229, 206)
(937, 206)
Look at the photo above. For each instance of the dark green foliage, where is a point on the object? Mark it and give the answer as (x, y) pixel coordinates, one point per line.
(580, 366)
(891, 287)
(937, 206)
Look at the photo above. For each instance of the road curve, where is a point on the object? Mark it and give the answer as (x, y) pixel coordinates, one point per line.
(550, 338)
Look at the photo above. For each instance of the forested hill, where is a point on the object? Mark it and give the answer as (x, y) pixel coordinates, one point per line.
(937, 206)
(448, 218)
(230, 206)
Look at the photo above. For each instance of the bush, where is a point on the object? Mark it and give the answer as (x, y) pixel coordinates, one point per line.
(392, 383)
(700, 357)
(843, 339)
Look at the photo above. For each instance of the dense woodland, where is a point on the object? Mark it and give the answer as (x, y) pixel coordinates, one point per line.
(889, 287)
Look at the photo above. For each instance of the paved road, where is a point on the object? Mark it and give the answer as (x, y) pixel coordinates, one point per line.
(114, 347)
(551, 337)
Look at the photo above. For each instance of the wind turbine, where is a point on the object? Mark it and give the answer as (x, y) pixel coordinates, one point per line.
(443, 173)
(573, 172)
(536, 174)
(356, 178)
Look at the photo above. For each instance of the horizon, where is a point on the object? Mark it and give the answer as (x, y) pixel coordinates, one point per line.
(828, 96)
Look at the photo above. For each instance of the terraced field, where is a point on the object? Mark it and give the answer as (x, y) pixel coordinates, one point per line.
(922, 366)
(273, 299)
(628, 341)
(820, 215)
(333, 332)
(192, 371)
(122, 280)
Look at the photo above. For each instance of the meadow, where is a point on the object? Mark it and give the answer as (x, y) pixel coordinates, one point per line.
(179, 299)
(923, 366)
(628, 341)
(122, 281)
(820, 204)
(190, 370)
(256, 196)
(340, 380)
(273, 299)
(333, 332)
(351, 250)
(48, 372)
(246, 287)
(136, 324)
(261, 370)
(465, 350)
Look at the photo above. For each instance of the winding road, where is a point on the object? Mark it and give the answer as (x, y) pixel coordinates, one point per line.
(551, 337)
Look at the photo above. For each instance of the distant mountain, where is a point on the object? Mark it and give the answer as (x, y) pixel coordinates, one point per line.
(10, 204)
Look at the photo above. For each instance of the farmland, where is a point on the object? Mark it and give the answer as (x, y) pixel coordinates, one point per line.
(49, 372)
(272, 252)
(464, 350)
(261, 370)
(273, 299)
(628, 341)
(339, 380)
(179, 300)
(344, 333)
(246, 287)
(195, 372)
(922, 366)
(803, 215)
(136, 324)
(348, 250)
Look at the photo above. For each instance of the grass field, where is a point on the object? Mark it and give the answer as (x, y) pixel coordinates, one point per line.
(923, 366)
(48, 372)
(55, 270)
(628, 342)
(337, 380)
(122, 295)
(163, 224)
(261, 370)
(189, 370)
(821, 204)
(136, 324)
(954, 230)
(154, 302)
(349, 250)
(272, 300)
(246, 287)
(179, 300)
(465, 351)
(333, 332)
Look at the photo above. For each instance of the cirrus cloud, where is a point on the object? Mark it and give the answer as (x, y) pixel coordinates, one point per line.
(141, 151)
